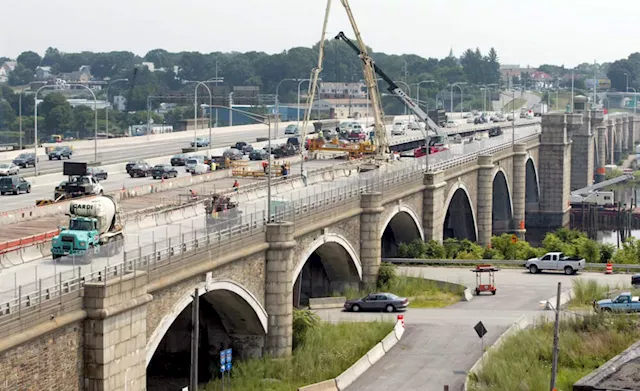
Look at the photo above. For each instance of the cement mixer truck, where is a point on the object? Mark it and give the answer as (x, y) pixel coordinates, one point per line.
(94, 223)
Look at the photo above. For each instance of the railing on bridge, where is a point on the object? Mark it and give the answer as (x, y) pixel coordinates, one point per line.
(30, 298)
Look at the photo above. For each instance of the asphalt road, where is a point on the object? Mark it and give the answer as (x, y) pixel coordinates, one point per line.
(439, 345)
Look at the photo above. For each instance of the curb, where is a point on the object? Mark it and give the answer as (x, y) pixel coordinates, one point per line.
(565, 297)
(518, 325)
(346, 378)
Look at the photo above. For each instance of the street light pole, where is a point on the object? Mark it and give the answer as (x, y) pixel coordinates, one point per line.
(202, 83)
(278, 103)
(418, 92)
(106, 109)
(635, 103)
(20, 115)
(627, 76)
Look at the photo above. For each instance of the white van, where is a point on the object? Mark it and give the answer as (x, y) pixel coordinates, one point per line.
(399, 129)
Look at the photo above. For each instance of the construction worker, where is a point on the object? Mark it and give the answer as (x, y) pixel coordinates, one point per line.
(213, 166)
(236, 185)
(304, 177)
(193, 193)
(264, 167)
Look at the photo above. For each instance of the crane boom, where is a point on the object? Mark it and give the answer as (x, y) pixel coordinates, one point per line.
(399, 93)
(380, 132)
(315, 73)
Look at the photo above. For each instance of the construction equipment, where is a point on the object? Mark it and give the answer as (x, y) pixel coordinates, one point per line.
(369, 68)
(92, 224)
(491, 285)
(222, 212)
(437, 142)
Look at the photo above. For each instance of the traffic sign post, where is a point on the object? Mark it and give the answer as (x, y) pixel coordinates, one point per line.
(226, 357)
(481, 331)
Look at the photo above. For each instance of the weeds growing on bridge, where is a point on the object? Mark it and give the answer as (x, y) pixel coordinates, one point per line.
(523, 361)
(325, 353)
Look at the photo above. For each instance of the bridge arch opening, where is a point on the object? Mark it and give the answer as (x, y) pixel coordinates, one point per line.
(532, 191)
(230, 317)
(329, 265)
(502, 209)
(459, 220)
(402, 226)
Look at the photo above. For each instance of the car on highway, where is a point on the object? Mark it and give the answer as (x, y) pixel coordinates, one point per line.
(380, 301)
(399, 129)
(25, 160)
(180, 159)
(132, 163)
(510, 117)
(200, 142)
(243, 146)
(14, 185)
(140, 170)
(163, 171)
(291, 129)
(495, 131)
(555, 261)
(451, 124)
(233, 154)
(192, 162)
(60, 152)
(284, 150)
(98, 173)
(471, 120)
(7, 169)
(259, 154)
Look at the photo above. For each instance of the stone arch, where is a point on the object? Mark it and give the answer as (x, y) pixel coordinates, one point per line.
(502, 203)
(231, 294)
(401, 226)
(532, 182)
(459, 194)
(334, 263)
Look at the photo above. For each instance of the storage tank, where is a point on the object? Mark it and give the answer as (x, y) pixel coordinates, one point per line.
(102, 208)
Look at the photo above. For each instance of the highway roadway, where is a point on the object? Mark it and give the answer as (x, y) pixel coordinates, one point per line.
(439, 345)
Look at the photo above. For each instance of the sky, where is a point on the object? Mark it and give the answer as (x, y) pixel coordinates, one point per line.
(560, 32)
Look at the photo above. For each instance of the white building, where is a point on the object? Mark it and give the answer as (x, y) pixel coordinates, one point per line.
(341, 90)
(6, 69)
(102, 104)
(344, 108)
(119, 102)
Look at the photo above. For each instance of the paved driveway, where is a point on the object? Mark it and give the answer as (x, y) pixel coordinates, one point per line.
(440, 345)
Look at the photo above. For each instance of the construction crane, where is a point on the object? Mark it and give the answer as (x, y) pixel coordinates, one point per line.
(315, 73)
(440, 138)
(380, 132)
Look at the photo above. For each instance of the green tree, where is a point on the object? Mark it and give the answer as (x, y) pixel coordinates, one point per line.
(20, 76)
(58, 120)
(30, 60)
(83, 121)
(7, 115)
(50, 102)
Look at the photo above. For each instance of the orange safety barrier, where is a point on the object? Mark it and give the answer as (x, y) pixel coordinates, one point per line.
(609, 269)
(17, 244)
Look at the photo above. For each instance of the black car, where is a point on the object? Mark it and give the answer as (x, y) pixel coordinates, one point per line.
(60, 152)
(25, 160)
(133, 163)
(179, 159)
(140, 170)
(284, 150)
(233, 154)
(14, 184)
(243, 146)
(380, 301)
(495, 132)
(98, 173)
(635, 281)
(164, 171)
(258, 154)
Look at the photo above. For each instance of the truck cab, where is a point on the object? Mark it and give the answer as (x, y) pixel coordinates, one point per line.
(624, 302)
(81, 235)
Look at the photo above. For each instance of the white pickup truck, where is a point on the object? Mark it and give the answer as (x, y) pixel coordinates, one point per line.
(555, 261)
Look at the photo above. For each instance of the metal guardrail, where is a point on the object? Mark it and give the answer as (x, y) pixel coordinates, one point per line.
(176, 248)
(411, 261)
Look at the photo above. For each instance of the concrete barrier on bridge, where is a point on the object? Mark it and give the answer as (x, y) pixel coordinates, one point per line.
(31, 253)
(326, 302)
(518, 325)
(11, 259)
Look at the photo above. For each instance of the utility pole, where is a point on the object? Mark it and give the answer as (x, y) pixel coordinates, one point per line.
(556, 335)
(195, 339)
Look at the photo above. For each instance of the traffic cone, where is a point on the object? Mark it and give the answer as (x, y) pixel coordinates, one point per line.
(609, 269)
(401, 320)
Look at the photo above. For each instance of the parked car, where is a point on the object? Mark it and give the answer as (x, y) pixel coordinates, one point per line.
(284, 150)
(164, 171)
(200, 142)
(192, 162)
(98, 173)
(495, 132)
(14, 184)
(140, 170)
(60, 152)
(133, 163)
(377, 302)
(259, 154)
(635, 281)
(398, 129)
(624, 302)
(243, 146)
(233, 154)
(555, 261)
(9, 169)
(291, 129)
(180, 159)
(25, 160)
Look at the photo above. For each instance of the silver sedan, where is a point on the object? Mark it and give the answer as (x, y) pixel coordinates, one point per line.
(9, 169)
